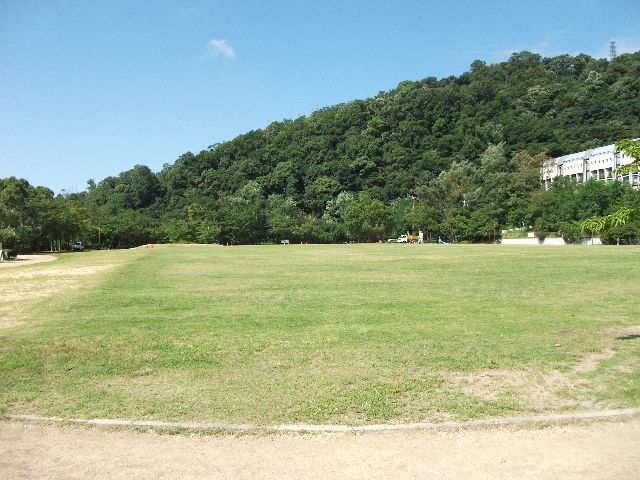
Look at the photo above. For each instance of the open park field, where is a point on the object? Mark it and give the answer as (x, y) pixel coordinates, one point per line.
(341, 334)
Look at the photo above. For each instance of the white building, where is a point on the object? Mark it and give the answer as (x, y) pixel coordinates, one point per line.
(599, 163)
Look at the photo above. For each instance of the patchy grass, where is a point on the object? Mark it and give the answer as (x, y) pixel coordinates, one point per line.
(350, 333)
(22, 286)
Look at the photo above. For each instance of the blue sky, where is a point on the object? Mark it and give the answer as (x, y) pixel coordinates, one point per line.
(91, 88)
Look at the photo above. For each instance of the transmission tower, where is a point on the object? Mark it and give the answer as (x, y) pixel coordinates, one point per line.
(612, 50)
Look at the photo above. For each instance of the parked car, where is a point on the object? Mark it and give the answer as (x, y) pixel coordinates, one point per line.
(77, 247)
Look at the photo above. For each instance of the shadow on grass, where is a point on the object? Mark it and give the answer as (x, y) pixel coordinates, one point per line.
(628, 337)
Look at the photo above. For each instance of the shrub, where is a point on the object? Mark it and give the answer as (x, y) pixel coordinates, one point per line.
(570, 232)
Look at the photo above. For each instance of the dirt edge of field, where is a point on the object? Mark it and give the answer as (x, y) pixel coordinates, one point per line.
(25, 260)
(568, 417)
(605, 449)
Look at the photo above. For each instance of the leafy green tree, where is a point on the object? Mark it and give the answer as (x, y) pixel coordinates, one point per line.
(241, 218)
(622, 232)
(455, 225)
(199, 226)
(129, 228)
(283, 218)
(632, 149)
(483, 224)
(320, 192)
(332, 226)
(14, 194)
(8, 239)
(400, 210)
(367, 219)
(422, 217)
(570, 232)
(139, 187)
(615, 224)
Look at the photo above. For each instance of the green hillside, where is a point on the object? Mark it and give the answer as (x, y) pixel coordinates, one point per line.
(456, 156)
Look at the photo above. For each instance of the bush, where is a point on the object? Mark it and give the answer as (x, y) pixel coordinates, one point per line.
(570, 232)
(516, 234)
(628, 234)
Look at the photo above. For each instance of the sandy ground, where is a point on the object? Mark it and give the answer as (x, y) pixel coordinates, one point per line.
(600, 450)
(22, 287)
(23, 260)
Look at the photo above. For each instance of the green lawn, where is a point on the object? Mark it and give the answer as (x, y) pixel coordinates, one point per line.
(322, 333)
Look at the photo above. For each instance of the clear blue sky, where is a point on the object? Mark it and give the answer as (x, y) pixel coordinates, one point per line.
(90, 88)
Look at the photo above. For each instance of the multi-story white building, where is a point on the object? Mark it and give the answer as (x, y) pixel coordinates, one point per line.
(599, 163)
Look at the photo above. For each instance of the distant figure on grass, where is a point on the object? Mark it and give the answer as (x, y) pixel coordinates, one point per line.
(420, 237)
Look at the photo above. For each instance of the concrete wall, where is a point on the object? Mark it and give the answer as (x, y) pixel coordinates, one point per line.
(548, 241)
(520, 241)
(591, 241)
(554, 241)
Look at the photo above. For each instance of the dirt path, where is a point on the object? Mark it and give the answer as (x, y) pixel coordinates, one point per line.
(600, 450)
(23, 260)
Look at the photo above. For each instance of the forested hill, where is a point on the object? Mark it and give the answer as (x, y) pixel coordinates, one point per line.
(457, 155)
(399, 140)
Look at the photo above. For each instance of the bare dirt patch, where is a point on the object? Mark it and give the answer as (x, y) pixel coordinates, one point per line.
(174, 245)
(592, 361)
(59, 273)
(623, 332)
(603, 450)
(489, 384)
(24, 260)
(533, 390)
(542, 391)
(21, 287)
(625, 368)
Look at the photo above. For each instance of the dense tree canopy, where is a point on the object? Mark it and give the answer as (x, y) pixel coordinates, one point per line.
(457, 157)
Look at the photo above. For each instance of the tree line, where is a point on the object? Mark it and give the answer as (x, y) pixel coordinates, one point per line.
(456, 157)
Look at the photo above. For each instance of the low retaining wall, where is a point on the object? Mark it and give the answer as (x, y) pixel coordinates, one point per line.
(521, 241)
(554, 241)
(548, 241)
(591, 241)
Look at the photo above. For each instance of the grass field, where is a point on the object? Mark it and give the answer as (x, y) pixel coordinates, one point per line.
(325, 334)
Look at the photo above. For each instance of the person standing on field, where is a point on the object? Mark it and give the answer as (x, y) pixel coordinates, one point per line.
(420, 237)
